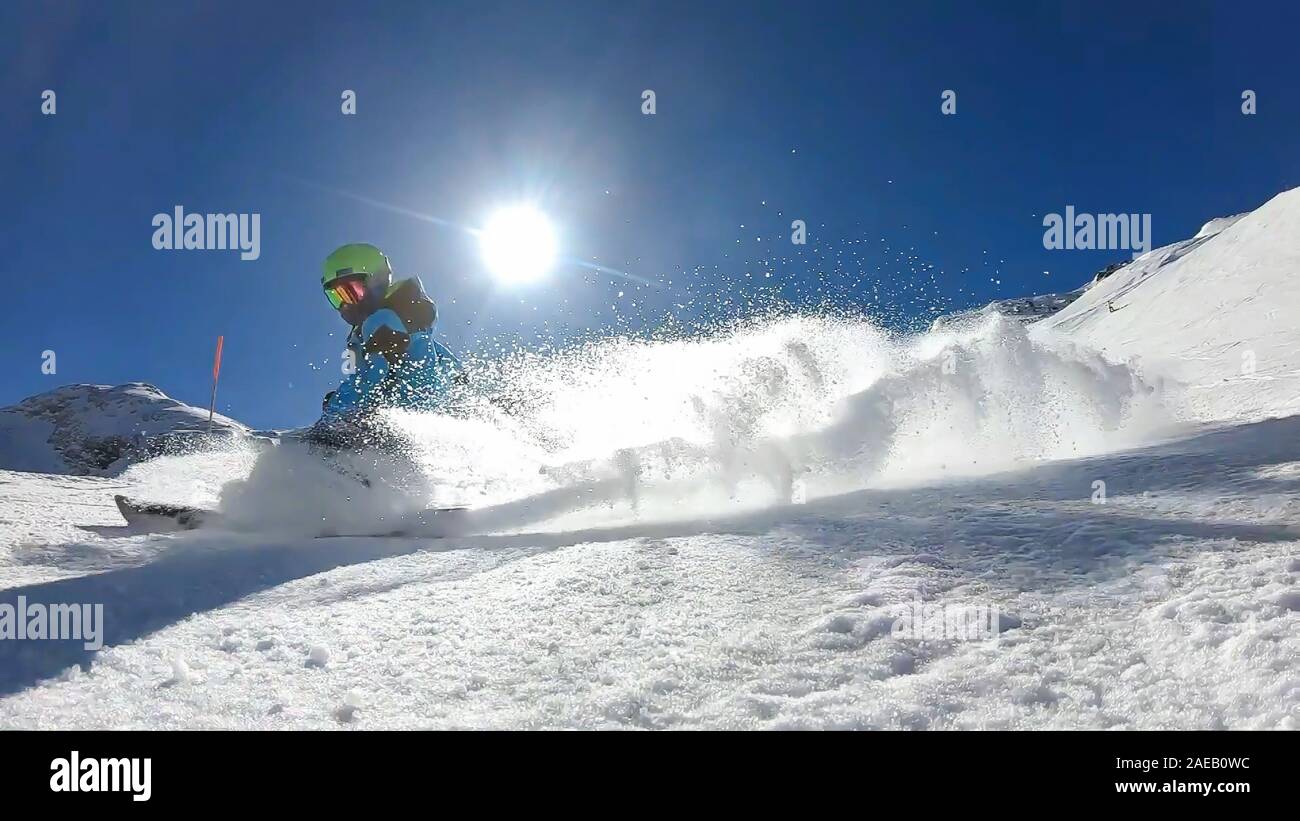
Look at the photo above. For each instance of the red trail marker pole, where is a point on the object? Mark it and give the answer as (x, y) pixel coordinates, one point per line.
(216, 373)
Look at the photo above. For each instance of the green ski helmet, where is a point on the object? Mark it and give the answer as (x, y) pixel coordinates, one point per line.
(351, 274)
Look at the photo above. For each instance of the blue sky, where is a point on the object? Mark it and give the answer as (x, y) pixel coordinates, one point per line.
(765, 113)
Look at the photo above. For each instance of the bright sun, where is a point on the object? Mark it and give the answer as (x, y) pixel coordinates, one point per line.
(518, 244)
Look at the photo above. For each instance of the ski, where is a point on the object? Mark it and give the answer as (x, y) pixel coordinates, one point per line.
(152, 517)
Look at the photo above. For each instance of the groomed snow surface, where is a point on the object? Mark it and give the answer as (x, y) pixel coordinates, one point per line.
(737, 532)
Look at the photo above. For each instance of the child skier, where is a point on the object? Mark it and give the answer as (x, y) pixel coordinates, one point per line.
(393, 359)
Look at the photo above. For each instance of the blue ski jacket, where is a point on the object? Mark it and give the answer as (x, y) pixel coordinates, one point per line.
(398, 362)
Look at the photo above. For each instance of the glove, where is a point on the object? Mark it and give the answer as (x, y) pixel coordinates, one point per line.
(385, 334)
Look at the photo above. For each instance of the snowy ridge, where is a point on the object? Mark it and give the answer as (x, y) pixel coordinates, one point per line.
(1218, 224)
(1024, 309)
(100, 430)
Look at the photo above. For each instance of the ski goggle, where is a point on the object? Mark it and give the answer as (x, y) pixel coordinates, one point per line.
(346, 291)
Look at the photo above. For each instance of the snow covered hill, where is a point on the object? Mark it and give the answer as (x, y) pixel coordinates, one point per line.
(1024, 309)
(1217, 312)
(777, 527)
(97, 429)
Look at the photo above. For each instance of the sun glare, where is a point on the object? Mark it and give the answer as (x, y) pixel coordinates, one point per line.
(518, 244)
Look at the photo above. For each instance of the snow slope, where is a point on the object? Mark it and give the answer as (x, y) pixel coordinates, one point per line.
(736, 531)
(1217, 313)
